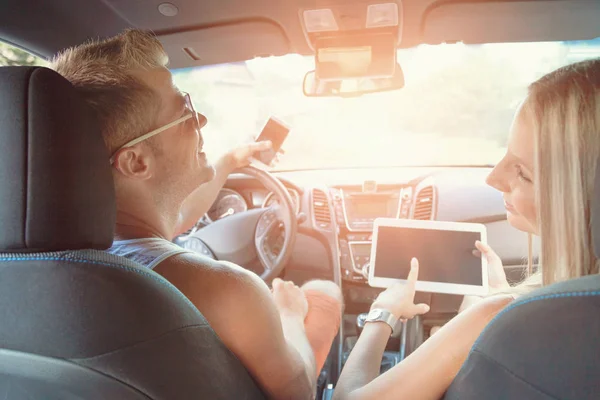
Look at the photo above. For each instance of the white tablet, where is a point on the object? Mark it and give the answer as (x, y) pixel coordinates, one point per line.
(444, 251)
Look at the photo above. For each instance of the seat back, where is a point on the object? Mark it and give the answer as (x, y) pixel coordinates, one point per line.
(77, 322)
(29, 376)
(113, 317)
(542, 346)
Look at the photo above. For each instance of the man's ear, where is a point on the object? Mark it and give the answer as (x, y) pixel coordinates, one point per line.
(134, 162)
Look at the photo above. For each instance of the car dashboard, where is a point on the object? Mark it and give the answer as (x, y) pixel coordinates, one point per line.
(336, 209)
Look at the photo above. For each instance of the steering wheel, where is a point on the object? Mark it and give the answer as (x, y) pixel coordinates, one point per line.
(245, 237)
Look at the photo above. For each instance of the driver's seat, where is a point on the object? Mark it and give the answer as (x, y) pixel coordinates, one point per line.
(76, 322)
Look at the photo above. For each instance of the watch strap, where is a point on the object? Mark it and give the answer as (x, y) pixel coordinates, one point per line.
(382, 315)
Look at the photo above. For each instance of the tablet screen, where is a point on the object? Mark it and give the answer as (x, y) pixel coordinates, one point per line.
(444, 256)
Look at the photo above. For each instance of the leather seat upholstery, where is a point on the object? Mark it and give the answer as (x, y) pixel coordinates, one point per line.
(77, 322)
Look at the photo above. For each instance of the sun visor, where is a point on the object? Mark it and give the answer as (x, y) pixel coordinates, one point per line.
(522, 21)
(225, 43)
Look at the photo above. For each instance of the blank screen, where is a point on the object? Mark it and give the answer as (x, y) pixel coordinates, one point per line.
(276, 133)
(444, 256)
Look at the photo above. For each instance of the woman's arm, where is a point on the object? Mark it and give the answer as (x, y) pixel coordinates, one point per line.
(426, 373)
(364, 361)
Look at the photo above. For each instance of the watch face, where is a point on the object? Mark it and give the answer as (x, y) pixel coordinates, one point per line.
(375, 314)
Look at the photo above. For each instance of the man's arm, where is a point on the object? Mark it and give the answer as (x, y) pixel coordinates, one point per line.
(199, 202)
(292, 305)
(240, 308)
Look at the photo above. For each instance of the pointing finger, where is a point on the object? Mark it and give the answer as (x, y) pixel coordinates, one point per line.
(413, 274)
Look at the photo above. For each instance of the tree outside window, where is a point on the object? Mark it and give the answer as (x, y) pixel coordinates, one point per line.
(13, 56)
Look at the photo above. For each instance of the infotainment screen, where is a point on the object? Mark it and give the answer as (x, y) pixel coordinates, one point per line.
(369, 207)
(444, 251)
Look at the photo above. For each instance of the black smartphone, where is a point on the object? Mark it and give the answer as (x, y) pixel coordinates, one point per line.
(275, 131)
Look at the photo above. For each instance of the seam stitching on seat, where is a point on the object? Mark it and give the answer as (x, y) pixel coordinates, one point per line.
(514, 375)
(533, 299)
(523, 302)
(181, 328)
(27, 166)
(106, 264)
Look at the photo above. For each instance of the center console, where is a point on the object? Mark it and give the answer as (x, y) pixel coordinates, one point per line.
(355, 209)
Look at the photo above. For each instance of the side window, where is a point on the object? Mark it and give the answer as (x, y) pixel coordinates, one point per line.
(13, 56)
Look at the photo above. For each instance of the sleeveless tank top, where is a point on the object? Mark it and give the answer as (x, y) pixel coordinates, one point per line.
(148, 252)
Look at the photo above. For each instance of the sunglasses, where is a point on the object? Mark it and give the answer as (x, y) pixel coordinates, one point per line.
(199, 122)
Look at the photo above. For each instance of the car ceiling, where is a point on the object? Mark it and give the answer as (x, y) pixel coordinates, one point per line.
(213, 32)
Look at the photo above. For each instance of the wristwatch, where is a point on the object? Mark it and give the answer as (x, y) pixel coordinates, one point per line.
(381, 315)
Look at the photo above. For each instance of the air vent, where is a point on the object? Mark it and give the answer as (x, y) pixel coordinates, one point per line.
(321, 209)
(424, 204)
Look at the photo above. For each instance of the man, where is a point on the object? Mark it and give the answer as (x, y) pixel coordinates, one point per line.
(164, 185)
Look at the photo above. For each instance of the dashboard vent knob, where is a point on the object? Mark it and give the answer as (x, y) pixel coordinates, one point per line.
(321, 209)
(423, 207)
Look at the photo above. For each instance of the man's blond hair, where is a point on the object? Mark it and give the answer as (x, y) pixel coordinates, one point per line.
(103, 72)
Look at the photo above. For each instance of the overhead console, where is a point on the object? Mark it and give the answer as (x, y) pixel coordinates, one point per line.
(355, 47)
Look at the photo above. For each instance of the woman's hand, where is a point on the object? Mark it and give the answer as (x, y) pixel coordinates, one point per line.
(289, 299)
(496, 276)
(399, 298)
(497, 281)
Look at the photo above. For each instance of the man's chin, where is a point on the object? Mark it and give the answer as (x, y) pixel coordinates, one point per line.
(206, 174)
(211, 172)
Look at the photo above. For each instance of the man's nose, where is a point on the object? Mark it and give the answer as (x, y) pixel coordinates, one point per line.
(202, 120)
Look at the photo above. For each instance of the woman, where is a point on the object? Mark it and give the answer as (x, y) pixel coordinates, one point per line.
(547, 179)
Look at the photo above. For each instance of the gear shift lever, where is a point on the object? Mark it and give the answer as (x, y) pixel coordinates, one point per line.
(360, 321)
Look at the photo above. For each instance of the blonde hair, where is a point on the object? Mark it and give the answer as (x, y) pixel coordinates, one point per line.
(103, 72)
(563, 108)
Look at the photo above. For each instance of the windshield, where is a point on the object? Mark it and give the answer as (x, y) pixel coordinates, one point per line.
(456, 107)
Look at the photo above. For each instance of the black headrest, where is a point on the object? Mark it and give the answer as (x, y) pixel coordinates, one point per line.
(56, 187)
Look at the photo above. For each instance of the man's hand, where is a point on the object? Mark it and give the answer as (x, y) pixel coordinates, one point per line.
(289, 299)
(199, 202)
(240, 308)
(240, 156)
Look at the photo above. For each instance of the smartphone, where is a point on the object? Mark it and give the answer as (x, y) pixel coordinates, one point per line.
(275, 131)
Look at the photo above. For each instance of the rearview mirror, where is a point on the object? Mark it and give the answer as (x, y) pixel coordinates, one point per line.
(314, 87)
